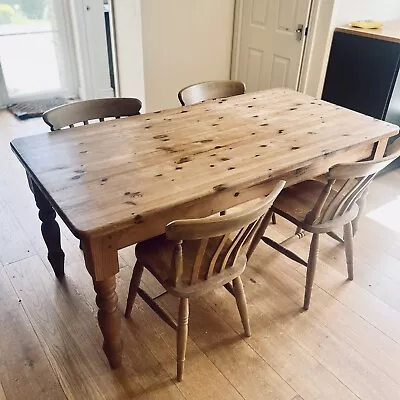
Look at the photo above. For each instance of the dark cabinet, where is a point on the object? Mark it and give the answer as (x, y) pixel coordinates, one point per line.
(363, 73)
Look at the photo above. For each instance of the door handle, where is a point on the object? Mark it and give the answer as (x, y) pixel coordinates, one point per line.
(299, 32)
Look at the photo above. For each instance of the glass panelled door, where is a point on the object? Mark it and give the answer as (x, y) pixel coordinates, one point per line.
(35, 53)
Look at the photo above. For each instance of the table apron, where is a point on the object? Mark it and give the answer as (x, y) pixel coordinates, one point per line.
(154, 225)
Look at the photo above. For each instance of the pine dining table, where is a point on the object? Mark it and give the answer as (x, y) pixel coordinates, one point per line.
(119, 182)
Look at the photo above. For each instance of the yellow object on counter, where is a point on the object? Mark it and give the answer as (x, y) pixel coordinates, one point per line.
(367, 24)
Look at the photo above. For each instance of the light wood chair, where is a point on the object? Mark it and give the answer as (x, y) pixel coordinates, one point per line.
(91, 110)
(196, 256)
(317, 207)
(210, 90)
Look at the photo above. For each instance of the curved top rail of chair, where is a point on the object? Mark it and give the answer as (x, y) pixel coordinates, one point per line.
(202, 91)
(84, 111)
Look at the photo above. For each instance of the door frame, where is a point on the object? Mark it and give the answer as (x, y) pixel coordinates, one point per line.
(69, 80)
(90, 49)
(315, 51)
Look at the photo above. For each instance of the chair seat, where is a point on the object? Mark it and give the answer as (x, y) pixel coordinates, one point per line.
(295, 202)
(156, 255)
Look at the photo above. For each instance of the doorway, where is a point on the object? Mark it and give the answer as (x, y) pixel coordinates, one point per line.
(270, 42)
(35, 51)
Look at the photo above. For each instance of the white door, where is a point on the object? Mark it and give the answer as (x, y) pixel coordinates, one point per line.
(270, 40)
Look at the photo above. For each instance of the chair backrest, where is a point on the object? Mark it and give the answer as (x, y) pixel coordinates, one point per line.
(211, 235)
(352, 181)
(85, 111)
(210, 90)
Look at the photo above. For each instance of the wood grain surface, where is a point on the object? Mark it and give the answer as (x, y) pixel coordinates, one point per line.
(141, 172)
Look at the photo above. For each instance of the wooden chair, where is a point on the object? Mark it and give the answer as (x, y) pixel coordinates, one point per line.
(318, 207)
(196, 256)
(210, 90)
(85, 111)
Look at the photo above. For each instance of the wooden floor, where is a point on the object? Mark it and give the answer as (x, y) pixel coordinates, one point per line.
(347, 346)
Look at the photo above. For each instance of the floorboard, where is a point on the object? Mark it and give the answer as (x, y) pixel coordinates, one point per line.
(329, 347)
(347, 346)
(69, 335)
(24, 368)
(2, 394)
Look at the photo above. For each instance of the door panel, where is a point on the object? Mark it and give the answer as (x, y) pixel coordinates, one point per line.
(254, 66)
(279, 71)
(268, 39)
(259, 13)
(287, 14)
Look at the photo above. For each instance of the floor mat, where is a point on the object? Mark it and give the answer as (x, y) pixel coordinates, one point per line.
(35, 108)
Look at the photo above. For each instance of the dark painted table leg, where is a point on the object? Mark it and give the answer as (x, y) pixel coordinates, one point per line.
(50, 231)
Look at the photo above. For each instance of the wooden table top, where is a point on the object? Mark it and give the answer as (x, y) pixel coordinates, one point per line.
(389, 32)
(107, 176)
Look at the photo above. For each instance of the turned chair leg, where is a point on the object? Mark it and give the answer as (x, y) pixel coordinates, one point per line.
(348, 246)
(242, 304)
(259, 234)
(362, 201)
(311, 267)
(181, 336)
(299, 232)
(133, 288)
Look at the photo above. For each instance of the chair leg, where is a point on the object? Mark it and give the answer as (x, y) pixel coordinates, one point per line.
(348, 246)
(259, 234)
(362, 201)
(273, 219)
(336, 237)
(242, 304)
(299, 233)
(133, 288)
(181, 336)
(311, 267)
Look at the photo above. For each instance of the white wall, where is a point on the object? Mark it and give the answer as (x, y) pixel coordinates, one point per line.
(350, 10)
(182, 42)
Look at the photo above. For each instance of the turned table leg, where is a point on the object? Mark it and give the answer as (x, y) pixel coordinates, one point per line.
(50, 230)
(109, 320)
(101, 259)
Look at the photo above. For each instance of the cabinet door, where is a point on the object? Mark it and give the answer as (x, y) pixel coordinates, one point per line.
(393, 114)
(361, 74)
